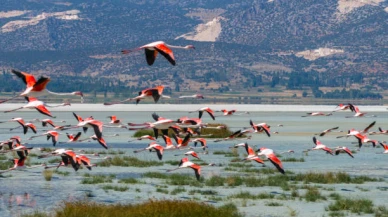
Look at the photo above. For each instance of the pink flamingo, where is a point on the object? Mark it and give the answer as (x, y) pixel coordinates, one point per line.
(152, 50)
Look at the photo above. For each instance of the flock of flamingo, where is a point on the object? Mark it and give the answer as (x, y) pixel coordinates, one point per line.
(185, 130)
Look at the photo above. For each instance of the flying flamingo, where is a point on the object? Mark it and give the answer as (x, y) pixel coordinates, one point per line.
(23, 124)
(144, 137)
(362, 138)
(251, 153)
(343, 149)
(90, 123)
(269, 153)
(152, 50)
(155, 147)
(101, 140)
(181, 142)
(192, 153)
(383, 131)
(385, 146)
(185, 163)
(37, 88)
(150, 93)
(202, 141)
(328, 131)
(320, 146)
(162, 124)
(316, 114)
(260, 127)
(19, 162)
(50, 134)
(357, 112)
(195, 96)
(233, 136)
(341, 107)
(72, 137)
(354, 132)
(168, 142)
(205, 109)
(40, 106)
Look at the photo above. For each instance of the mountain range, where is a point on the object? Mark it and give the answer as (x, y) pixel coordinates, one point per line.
(239, 44)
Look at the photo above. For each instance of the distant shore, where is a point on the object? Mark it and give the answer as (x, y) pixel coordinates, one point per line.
(193, 107)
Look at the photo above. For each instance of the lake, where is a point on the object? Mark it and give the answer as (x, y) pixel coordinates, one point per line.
(27, 191)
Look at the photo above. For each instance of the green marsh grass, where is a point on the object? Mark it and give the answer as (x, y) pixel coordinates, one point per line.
(63, 173)
(161, 208)
(96, 179)
(203, 192)
(292, 159)
(162, 190)
(331, 178)
(48, 174)
(174, 178)
(128, 181)
(177, 190)
(115, 188)
(272, 203)
(247, 195)
(3, 157)
(358, 206)
(313, 194)
(127, 161)
(6, 165)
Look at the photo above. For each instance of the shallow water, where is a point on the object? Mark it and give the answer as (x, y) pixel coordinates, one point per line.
(296, 134)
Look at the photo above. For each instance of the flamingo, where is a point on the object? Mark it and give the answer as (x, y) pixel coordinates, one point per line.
(47, 121)
(82, 159)
(90, 123)
(383, 131)
(37, 88)
(192, 153)
(155, 93)
(353, 132)
(72, 137)
(341, 107)
(168, 142)
(152, 50)
(101, 140)
(40, 106)
(260, 127)
(320, 146)
(234, 135)
(364, 139)
(357, 112)
(202, 141)
(185, 163)
(195, 96)
(328, 131)
(116, 122)
(144, 137)
(50, 134)
(316, 114)
(181, 142)
(205, 109)
(155, 147)
(162, 124)
(269, 153)
(251, 153)
(22, 124)
(19, 162)
(228, 113)
(385, 146)
(343, 149)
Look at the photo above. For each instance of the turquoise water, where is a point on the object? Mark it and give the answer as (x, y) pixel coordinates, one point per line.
(296, 134)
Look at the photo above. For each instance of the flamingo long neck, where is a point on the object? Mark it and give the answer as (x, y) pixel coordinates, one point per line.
(60, 94)
(174, 46)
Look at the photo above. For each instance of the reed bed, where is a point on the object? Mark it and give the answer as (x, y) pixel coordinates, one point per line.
(115, 188)
(127, 161)
(48, 174)
(205, 132)
(160, 208)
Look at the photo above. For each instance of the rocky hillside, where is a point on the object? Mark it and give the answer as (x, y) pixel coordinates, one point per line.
(238, 44)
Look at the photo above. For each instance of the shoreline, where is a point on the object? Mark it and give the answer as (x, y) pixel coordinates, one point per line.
(76, 107)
